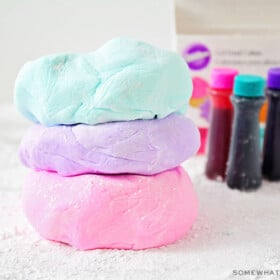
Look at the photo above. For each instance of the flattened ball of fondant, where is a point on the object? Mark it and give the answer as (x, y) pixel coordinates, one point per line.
(111, 211)
(140, 147)
(123, 80)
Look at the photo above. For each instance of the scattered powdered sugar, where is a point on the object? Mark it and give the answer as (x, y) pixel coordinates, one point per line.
(234, 231)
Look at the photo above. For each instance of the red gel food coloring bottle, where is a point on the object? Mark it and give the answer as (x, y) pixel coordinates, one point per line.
(221, 87)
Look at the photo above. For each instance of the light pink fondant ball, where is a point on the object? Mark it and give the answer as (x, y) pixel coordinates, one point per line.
(111, 211)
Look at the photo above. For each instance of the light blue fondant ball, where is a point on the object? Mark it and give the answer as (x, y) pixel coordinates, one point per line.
(123, 80)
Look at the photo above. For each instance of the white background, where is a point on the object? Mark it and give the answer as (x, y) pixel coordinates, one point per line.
(30, 29)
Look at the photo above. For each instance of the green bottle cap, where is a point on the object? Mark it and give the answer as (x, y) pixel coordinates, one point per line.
(249, 86)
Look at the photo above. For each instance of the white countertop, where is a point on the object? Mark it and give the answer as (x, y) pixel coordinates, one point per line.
(234, 231)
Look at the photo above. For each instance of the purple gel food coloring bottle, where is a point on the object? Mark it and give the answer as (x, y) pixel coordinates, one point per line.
(271, 148)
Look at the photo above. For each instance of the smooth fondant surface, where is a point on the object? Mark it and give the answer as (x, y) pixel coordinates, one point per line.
(141, 147)
(123, 80)
(111, 211)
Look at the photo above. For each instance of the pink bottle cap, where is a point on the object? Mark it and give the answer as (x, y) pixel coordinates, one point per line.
(222, 78)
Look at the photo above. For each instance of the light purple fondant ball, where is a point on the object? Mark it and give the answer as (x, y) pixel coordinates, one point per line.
(141, 146)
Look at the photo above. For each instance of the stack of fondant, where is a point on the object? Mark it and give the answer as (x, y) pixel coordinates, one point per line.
(105, 151)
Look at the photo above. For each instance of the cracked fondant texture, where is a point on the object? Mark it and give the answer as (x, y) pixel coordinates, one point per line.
(123, 80)
(141, 147)
(109, 211)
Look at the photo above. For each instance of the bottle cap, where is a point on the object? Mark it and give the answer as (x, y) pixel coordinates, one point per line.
(222, 78)
(249, 85)
(273, 78)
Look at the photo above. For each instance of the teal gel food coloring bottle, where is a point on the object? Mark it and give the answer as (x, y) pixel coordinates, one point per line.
(244, 164)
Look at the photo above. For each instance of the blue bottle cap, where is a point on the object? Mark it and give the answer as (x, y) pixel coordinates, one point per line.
(249, 86)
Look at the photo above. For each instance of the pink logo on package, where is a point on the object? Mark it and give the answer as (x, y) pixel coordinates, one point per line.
(197, 56)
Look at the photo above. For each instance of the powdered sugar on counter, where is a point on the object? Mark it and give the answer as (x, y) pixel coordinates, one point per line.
(235, 231)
